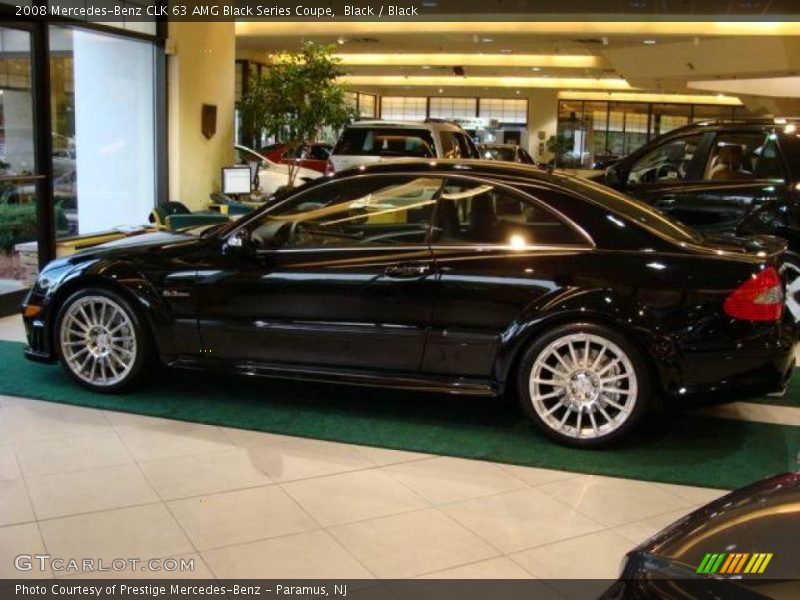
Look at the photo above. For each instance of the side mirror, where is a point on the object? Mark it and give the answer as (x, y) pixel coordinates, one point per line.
(238, 242)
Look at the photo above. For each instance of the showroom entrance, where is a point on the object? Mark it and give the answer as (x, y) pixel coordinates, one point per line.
(81, 127)
(23, 179)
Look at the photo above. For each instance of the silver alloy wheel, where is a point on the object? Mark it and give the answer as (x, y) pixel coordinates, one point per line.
(583, 386)
(98, 341)
(791, 275)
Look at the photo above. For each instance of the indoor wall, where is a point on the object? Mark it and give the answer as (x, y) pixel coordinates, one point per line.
(200, 70)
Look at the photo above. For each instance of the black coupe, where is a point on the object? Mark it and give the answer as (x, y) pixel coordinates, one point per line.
(471, 277)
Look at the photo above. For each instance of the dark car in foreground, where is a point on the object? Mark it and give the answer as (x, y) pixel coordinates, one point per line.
(743, 546)
(468, 277)
(737, 177)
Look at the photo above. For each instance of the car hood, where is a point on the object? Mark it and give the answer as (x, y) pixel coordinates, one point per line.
(127, 246)
(759, 518)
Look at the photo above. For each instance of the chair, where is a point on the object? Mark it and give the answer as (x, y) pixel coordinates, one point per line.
(730, 163)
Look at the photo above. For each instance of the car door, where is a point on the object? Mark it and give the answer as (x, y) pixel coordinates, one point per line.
(667, 175)
(497, 252)
(744, 178)
(339, 276)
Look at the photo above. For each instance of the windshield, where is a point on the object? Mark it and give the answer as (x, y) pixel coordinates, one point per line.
(632, 209)
(496, 153)
(386, 141)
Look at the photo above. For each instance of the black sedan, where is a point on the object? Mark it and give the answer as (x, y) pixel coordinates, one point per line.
(729, 177)
(470, 277)
(743, 545)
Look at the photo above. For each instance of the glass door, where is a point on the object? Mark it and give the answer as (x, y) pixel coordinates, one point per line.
(19, 177)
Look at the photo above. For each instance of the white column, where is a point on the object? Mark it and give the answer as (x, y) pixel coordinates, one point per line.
(114, 131)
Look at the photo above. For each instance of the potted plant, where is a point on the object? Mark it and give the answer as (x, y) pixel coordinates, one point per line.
(295, 97)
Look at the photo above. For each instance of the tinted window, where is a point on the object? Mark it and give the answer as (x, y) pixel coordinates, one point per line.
(670, 161)
(450, 147)
(386, 141)
(358, 212)
(501, 153)
(479, 213)
(742, 156)
(467, 146)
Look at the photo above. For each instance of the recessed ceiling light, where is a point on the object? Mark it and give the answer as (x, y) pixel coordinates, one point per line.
(536, 68)
(488, 40)
(426, 66)
(517, 92)
(341, 41)
(649, 42)
(505, 51)
(441, 91)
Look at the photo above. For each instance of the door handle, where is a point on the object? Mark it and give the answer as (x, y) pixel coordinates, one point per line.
(407, 271)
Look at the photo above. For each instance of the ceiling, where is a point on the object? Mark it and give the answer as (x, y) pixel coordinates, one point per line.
(651, 56)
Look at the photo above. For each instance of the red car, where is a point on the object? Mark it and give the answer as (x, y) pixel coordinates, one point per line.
(312, 156)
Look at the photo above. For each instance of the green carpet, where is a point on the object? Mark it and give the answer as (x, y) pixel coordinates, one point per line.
(675, 448)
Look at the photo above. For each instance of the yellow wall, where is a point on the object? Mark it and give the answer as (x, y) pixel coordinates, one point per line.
(200, 70)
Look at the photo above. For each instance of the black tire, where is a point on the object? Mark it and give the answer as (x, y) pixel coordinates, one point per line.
(141, 358)
(584, 383)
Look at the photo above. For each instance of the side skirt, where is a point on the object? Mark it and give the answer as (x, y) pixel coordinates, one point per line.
(420, 383)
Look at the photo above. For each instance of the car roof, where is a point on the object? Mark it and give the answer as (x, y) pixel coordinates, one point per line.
(427, 124)
(457, 166)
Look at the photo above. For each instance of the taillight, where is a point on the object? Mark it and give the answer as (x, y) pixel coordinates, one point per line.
(760, 298)
(329, 170)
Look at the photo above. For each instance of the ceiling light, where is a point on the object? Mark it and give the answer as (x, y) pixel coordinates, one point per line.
(426, 67)
(517, 92)
(441, 90)
(341, 41)
(649, 42)
(488, 40)
(436, 81)
(470, 59)
(505, 51)
(536, 69)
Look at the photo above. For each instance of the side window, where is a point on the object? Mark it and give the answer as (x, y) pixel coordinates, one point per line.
(669, 162)
(376, 211)
(479, 213)
(742, 156)
(450, 148)
(466, 146)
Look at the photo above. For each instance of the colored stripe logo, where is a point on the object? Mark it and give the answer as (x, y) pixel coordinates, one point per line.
(734, 563)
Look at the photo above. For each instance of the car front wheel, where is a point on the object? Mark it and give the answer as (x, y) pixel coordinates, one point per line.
(100, 341)
(584, 385)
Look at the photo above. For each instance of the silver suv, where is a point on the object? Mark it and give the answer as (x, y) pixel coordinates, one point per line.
(366, 142)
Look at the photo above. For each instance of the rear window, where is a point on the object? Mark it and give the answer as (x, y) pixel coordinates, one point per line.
(386, 141)
(632, 209)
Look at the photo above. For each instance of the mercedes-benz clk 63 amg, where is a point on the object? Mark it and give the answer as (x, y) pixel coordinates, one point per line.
(468, 277)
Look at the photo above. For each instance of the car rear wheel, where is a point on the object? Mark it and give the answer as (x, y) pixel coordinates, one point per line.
(100, 341)
(583, 385)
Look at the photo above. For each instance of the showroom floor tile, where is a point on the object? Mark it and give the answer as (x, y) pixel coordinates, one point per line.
(78, 482)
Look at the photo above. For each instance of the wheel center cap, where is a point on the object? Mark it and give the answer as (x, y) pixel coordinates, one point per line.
(583, 387)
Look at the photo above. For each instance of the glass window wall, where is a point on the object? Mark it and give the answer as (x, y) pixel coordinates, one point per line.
(592, 133)
(103, 129)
